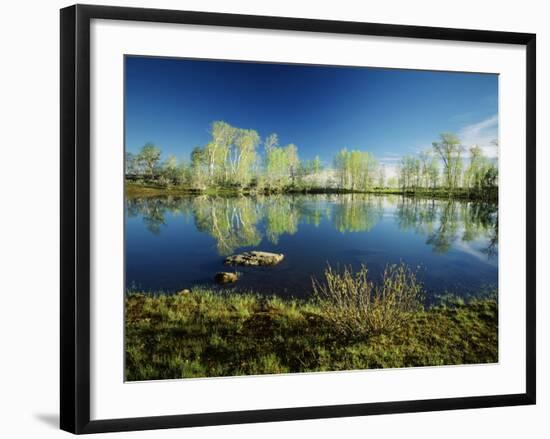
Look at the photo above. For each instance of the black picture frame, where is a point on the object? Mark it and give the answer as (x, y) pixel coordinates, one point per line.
(75, 217)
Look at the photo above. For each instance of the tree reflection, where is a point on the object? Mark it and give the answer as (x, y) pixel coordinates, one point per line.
(442, 238)
(151, 210)
(418, 214)
(446, 221)
(282, 215)
(232, 222)
(357, 212)
(314, 209)
(236, 222)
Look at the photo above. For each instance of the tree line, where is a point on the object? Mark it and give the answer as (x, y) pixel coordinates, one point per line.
(238, 158)
(444, 167)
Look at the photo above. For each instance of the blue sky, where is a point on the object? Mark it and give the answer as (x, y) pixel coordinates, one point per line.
(321, 109)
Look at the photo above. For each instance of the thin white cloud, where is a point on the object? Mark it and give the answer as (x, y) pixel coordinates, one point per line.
(392, 171)
(483, 134)
(471, 250)
(390, 158)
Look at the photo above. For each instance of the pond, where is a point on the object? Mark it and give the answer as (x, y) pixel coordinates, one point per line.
(174, 243)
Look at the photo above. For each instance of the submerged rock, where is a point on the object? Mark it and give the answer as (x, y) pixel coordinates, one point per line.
(224, 277)
(255, 258)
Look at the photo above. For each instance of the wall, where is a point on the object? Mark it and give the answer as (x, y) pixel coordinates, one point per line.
(29, 233)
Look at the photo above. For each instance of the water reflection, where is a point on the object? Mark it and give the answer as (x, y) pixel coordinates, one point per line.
(445, 222)
(357, 213)
(244, 221)
(232, 222)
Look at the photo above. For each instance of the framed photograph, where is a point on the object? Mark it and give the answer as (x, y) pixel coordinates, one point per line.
(268, 218)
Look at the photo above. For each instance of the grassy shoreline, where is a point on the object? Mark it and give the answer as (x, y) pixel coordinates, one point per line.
(133, 189)
(202, 333)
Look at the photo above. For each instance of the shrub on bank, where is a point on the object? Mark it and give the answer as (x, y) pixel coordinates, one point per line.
(204, 333)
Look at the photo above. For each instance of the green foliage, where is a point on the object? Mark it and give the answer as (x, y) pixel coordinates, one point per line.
(481, 176)
(409, 173)
(131, 164)
(357, 306)
(355, 169)
(449, 149)
(227, 160)
(148, 158)
(231, 161)
(282, 164)
(205, 334)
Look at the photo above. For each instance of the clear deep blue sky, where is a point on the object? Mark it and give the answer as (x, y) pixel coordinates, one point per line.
(172, 102)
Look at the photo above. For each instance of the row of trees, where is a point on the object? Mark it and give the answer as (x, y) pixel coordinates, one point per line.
(230, 159)
(444, 166)
(357, 170)
(238, 158)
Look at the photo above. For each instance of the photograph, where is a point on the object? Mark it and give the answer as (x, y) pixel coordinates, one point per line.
(299, 218)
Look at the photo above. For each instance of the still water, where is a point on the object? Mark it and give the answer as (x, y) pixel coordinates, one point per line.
(174, 243)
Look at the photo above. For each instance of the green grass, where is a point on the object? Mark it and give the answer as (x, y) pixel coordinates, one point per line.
(135, 189)
(207, 334)
(151, 189)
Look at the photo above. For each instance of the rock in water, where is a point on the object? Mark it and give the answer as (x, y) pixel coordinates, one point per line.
(254, 258)
(223, 277)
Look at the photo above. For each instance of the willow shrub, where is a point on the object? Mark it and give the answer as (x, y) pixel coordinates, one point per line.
(357, 306)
